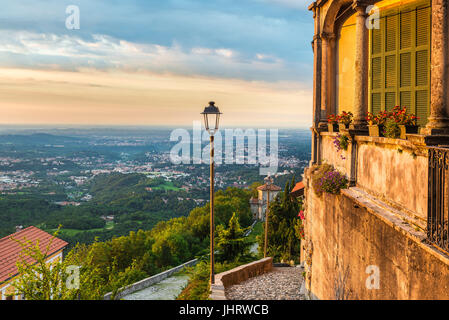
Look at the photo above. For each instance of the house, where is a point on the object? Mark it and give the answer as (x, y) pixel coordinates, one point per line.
(298, 190)
(258, 206)
(386, 235)
(10, 252)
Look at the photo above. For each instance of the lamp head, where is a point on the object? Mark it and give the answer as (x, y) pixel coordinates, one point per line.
(211, 116)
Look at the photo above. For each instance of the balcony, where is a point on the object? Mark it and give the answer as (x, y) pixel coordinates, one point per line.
(407, 175)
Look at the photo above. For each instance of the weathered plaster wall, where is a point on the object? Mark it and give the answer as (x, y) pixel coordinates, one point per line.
(348, 236)
(346, 66)
(394, 172)
(340, 160)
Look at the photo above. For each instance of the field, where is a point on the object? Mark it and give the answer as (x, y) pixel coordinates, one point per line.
(72, 232)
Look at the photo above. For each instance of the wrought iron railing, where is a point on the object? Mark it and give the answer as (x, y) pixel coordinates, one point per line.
(437, 219)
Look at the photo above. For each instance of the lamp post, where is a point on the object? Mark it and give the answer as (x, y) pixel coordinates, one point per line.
(268, 184)
(211, 122)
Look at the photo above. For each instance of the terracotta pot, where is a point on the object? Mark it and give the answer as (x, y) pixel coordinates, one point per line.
(332, 127)
(376, 130)
(343, 127)
(406, 129)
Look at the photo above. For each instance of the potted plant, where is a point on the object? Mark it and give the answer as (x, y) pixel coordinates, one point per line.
(376, 123)
(391, 129)
(332, 123)
(344, 120)
(405, 121)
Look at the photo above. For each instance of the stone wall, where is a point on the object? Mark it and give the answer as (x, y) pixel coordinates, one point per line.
(145, 283)
(340, 160)
(350, 235)
(393, 170)
(237, 275)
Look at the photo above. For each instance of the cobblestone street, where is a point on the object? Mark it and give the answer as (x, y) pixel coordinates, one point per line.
(279, 284)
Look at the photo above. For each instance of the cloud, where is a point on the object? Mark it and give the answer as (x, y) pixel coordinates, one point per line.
(297, 4)
(66, 52)
(231, 28)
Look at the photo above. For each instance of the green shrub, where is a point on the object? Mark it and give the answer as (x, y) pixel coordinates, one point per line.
(391, 129)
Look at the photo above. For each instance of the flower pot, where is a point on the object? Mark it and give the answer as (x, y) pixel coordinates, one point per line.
(376, 130)
(332, 127)
(343, 127)
(408, 129)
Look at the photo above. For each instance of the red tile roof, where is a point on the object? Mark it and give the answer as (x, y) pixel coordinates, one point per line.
(270, 187)
(10, 249)
(298, 186)
(298, 189)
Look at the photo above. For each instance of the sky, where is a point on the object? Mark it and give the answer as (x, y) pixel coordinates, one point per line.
(156, 62)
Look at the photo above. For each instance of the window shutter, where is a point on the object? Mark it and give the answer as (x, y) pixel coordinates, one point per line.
(400, 60)
(406, 66)
(406, 29)
(376, 67)
(376, 101)
(376, 41)
(390, 100)
(390, 33)
(421, 106)
(421, 68)
(406, 99)
(390, 71)
(422, 26)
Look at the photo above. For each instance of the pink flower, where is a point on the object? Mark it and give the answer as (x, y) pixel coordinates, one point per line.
(301, 215)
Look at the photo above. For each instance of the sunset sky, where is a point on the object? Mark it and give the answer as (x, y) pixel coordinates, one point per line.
(141, 62)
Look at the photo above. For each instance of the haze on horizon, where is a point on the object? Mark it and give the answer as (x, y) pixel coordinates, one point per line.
(149, 63)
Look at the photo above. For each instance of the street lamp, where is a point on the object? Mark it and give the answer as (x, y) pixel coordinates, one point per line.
(211, 122)
(268, 182)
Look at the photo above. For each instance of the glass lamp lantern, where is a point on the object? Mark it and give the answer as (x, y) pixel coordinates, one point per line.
(211, 115)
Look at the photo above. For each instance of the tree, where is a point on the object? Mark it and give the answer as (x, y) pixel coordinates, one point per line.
(231, 242)
(283, 242)
(39, 280)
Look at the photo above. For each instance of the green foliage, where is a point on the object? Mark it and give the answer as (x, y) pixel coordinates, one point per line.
(283, 244)
(110, 265)
(253, 188)
(38, 279)
(231, 242)
(257, 230)
(226, 203)
(198, 287)
(344, 142)
(391, 129)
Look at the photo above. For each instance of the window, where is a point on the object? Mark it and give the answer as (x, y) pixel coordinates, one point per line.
(399, 70)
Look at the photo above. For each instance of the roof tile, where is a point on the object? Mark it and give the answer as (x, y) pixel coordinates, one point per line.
(10, 249)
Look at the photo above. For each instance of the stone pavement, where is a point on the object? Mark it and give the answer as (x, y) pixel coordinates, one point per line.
(282, 283)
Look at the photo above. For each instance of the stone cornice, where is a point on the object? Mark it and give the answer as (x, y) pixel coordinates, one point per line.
(360, 5)
(312, 6)
(327, 36)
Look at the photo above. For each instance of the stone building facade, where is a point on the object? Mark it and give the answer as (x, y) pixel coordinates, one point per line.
(258, 205)
(387, 235)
